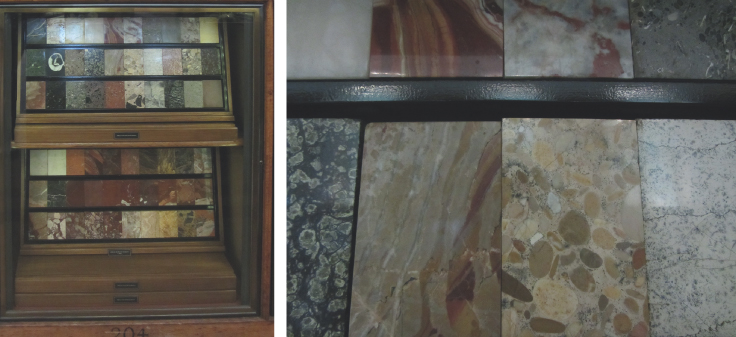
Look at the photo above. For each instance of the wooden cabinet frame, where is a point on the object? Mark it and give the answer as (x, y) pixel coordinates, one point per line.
(250, 162)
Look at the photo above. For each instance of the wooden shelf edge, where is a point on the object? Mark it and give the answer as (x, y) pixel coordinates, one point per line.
(18, 145)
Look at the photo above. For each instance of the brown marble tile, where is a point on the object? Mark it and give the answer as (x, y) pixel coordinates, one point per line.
(202, 191)
(168, 224)
(110, 161)
(130, 193)
(166, 161)
(114, 95)
(112, 192)
(129, 161)
(93, 224)
(93, 162)
(94, 31)
(114, 30)
(149, 225)
(112, 225)
(198, 160)
(186, 225)
(37, 226)
(212, 94)
(148, 192)
(114, 64)
(185, 193)
(131, 225)
(75, 227)
(35, 95)
(75, 162)
(93, 193)
(37, 193)
(132, 30)
(75, 193)
(148, 161)
(167, 192)
(74, 62)
(205, 223)
(172, 61)
(184, 158)
(189, 30)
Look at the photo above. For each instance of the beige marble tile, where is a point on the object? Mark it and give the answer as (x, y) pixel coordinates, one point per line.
(39, 162)
(133, 62)
(193, 94)
(212, 93)
(189, 30)
(74, 30)
(573, 237)
(132, 30)
(149, 225)
(94, 30)
(152, 62)
(55, 33)
(428, 235)
(134, 94)
(209, 31)
(131, 225)
(114, 64)
(168, 222)
(57, 162)
(37, 193)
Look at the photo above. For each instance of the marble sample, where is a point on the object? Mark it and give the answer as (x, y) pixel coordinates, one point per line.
(166, 161)
(688, 191)
(322, 153)
(154, 94)
(35, 95)
(39, 162)
(152, 62)
(168, 224)
(94, 62)
(149, 225)
(130, 161)
(75, 162)
(56, 223)
(94, 30)
(152, 30)
(36, 31)
(191, 60)
(209, 30)
(130, 192)
(193, 94)
(75, 193)
(148, 190)
(172, 61)
(185, 194)
(133, 62)
(186, 225)
(170, 29)
(189, 30)
(184, 158)
(148, 161)
(198, 161)
(437, 38)
(112, 225)
(111, 193)
(114, 64)
(74, 62)
(114, 95)
(75, 95)
(75, 226)
(93, 162)
(131, 225)
(55, 30)
(210, 61)
(174, 94)
(55, 64)
(132, 30)
(56, 193)
(683, 39)
(204, 222)
(94, 94)
(74, 28)
(37, 193)
(573, 237)
(432, 268)
(35, 62)
(37, 228)
(93, 195)
(567, 38)
(56, 95)
(212, 94)
(134, 98)
(57, 162)
(167, 191)
(114, 30)
(110, 161)
(328, 39)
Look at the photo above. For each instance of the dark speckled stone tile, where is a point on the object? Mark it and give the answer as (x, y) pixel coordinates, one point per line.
(148, 159)
(170, 30)
(56, 193)
(152, 28)
(184, 160)
(174, 94)
(683, 39)
(94, 62)
(55, 95)
(36, 31)
(55, 62)
(94, 95)
(210, 61)
(75, 95)
(35, 62)
(74, 62)
(322, 166)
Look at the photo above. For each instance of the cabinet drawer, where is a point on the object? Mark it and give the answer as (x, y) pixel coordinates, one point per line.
(127, 300)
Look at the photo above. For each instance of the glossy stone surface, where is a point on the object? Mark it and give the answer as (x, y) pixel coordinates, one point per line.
(114, 64)
(322, 168)
(35, 62)
(37, 226)
(212, 94)
(55, 63)
(55, 95)
(56, 193)
(110, 161)
(148, 161)
(39, 162)
(134, 91)
(189, 30)
(94, 62)
(186, 225)
(94, 30)
(130, 192)
(131, 225)
(132, 30)
(193, 94)
(688, 191)
(149, 224)
(37, 193)
(133, 62)
(168, 224)
(114, 30)
(75, 226)
(35, 95)
(75, 95)
(428, 230)
(166, 161)
(152, 30)
(93, 162)
(572, 204)
(56, 162)
(171, 61)
(567, 38)
(328, 39)
(94, 94)
(74, 62)
(74, 28)
(55, 33)
(191, 60)
(75, 162)
(129, 161)
(152, 62)
(75, 193)
(170, 29)
(208, 30)
(36, 31)
(114, 94)
(204, 222)
(210, 61)
(437, 39)
(154, 94)
(174, 94)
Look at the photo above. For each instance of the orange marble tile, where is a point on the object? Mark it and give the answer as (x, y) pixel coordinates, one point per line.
(75, 162)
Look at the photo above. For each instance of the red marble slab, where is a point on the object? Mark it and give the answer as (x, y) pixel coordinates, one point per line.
(130, 161)
(167, 192)
(110, 161)
(130, 192)
(93, 162)
(35, 95)
(75, 228)
(433, 38)
(93, 222)
(112, 225)
(114, 95)
(113, 30)
(202, 192)
(75, 162)
(148, 192)
(112, 192)
(93, 194)
(185, 192)
(75, 193)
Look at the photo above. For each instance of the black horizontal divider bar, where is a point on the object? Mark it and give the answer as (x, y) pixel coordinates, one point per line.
(141, 110)
(119, 209)
(122, 78)
(125, 177)
(121, 240)
(126, 46)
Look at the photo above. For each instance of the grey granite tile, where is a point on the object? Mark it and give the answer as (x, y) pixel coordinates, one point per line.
(36, 31)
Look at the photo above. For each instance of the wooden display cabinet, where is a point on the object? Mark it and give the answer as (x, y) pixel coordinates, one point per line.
(91, 256)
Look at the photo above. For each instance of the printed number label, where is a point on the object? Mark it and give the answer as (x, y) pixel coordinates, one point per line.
(128, 332)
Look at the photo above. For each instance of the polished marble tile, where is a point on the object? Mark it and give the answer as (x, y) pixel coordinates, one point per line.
(75, 95)
(110, 161)
(184, 160)
(93, 225)
(185, 193)
(112, 194)
(55, 30)
(148, 190)
(75, 193)
(149, 225)
(322, 153)
(39, 162)
(133, 62)
(573, 237)
(428, 230)
(94, 94)
(93, 193)
(56, 223)
(187, 228)
(130, 161)
(93, 162)
(198, 164)
(131, 225)
(114, 64)
(203, 192)
(55, 64)
(35, 95)
(168, 224)
(166, 161)
(37, 193)
(212, 94)
(567, 38)
(115, 95)
(152, 30)
(36, 31)
(37, 226)
(130, 192)
(134, 91)
(193, 94)
(207, 159)
(204, 222)
(152, 62)
(437, 39)
(191, 60)
(75, 226)
(208, 30)
(94, 62)
(210, 61)
(132, 30)
(56, 95)
(75, 162)
(189, 30)
(74, 62)
(57, 162)
(94, 30)
(172, 61)
(114, 30)
(167, 192)
(154, 94)
(35, 62)
(170, 29)
(174, 94)
(688, 192)
(74, 28)
(148, 161)
(112, 227)
(56, 193)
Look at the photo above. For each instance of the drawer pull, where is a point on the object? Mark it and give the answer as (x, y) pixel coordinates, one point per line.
(125, 299)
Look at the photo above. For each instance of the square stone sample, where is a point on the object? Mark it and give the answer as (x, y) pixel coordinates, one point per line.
(688, 192)
(75, 162)
(56, 95)
(55, 64)
(37, 193)
(204, 221)
(428, 230)
(210, 61)
(170, 29)
(75, 95)
(75, 193)
(212, 93)
(154, 93)
(39, 162)
(114, 64)
(209, 31)
(152, 28)
(74, 62)
(152, 62)
(114, 30)
(149, 224)
(573, 236)
(74, 30)
(35, 95)
(114, 95)
(191, 60)
(130, 161)
(36, 31)
(193, 94)
(132, 30)
(437, 39)
(148, 161)
(94, 31)
(94, 95)
(57, 162)
(94, 62)
(56, 193)
(131, 225)
(321, 169)
(36, 62)
(134, 95)
(93, 162)
(172, 61)
(174, 94)
(189, 30)
(55, 33)
(568, 38)
(133, 62)
(168, 224)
